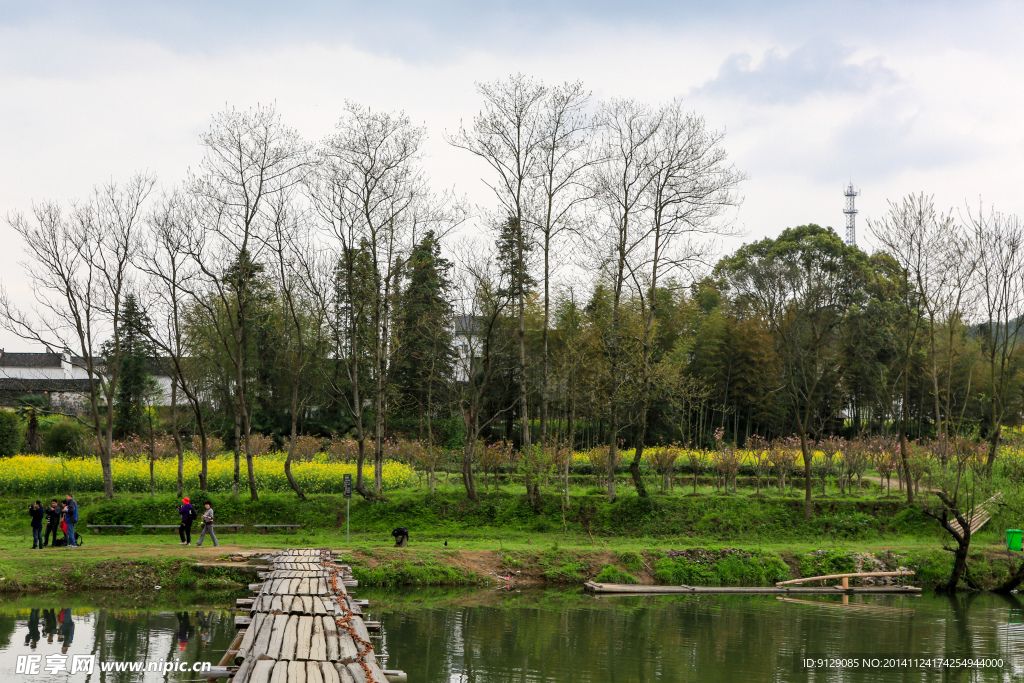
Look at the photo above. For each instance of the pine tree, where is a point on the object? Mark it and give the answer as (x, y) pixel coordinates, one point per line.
(424, 351)
(134, 382)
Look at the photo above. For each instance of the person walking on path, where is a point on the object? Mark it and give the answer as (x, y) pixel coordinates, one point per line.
(188, 514)
(52, 522)
(71, 518)
(36, 512)
(207, 521)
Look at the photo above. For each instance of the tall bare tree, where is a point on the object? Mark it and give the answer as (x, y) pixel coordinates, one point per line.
(164, 259)
(80, 266)
(621, 184)
(372, 195)
(251, 157)
(691, 185)
(509, 136)
(999, 244)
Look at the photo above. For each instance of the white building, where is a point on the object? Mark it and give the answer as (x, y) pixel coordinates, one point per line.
(60, 375)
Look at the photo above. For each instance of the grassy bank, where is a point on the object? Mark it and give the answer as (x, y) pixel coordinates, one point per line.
(707, 539)
(715, 517)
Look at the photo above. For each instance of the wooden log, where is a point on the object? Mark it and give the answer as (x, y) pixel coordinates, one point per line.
(290, 639)
(296, 672)
(395, 676)
(280, 673)
(313, 673)
(360, 628)
(330, 633)
(305, 604)
(347, 650)
(303, 587)
(317, 606)
(305, 633)
(356, 672)
(242, 621)
(317, 642)
(343, 675)
(261, 646)
(242, 674)
(249, 638)
(375, 669)
(277, 636)
(853, 575)
(261, 671)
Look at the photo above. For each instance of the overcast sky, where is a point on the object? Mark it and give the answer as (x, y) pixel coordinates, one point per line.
(899, 97)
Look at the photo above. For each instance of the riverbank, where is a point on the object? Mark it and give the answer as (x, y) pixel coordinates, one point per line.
(705, 539)
(138, 565)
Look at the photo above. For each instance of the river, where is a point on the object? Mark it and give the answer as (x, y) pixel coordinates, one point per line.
(566, 636)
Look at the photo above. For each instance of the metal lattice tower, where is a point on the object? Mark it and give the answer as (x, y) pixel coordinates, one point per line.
(851, 215)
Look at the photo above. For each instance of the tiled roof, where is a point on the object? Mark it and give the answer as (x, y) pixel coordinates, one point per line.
(14, 384)
(29, 360)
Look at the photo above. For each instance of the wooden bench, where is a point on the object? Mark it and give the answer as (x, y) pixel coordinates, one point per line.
(217, 527)
(160, 526)
(121, 527)
(266, 527)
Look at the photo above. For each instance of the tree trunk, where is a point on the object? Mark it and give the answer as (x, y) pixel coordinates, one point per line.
(808, 457)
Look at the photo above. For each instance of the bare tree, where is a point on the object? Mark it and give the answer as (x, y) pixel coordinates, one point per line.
(563, 158)
(691, 186)
(509, 136)
(250, 158)
(999, 243)
(486, 302)
(373, 198)
(621, 183)
(909, 233)
(164, 259)
(288, 245)
(80, 266)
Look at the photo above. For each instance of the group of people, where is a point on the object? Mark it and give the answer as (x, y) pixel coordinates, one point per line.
(188, 515)
(59, 516)
(59, 624)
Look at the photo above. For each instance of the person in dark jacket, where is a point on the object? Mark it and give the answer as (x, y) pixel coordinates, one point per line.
(52, 521)
(71, 518)
(187, 515)
(36, 512)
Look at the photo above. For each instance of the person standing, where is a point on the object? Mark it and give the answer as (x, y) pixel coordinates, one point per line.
(67, 629)
(52, 521)
(188, 513)
(36, 512)
(207, 520)
(71, 517)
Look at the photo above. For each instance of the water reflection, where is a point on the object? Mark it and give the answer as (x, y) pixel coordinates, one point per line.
(562, 636)
(55, 634)
(552, 636)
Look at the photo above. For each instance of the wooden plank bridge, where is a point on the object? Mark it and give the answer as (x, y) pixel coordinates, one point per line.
(303, 626)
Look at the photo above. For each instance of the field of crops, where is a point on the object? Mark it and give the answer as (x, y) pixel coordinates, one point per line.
(35, 474)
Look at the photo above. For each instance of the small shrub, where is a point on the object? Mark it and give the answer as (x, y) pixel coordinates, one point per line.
(11, 433)
(67, 437)
(631, 560)
(612, 574)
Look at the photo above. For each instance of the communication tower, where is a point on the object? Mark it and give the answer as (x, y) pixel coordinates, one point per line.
(851, 215)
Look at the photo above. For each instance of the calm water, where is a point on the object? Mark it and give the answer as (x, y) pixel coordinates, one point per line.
(59, 628)
(565, 636)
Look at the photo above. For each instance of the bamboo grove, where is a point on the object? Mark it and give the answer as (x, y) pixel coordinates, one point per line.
(293, 288)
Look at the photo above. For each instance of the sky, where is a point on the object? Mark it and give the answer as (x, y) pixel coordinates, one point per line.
(895, 97)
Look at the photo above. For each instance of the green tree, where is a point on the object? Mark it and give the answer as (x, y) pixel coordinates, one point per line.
(136, 382)
(802, 284)
(424, 362)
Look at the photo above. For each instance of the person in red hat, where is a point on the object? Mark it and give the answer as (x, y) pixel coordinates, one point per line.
(188, 514)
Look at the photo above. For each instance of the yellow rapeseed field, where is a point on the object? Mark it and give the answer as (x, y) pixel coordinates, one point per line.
(40, 474)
